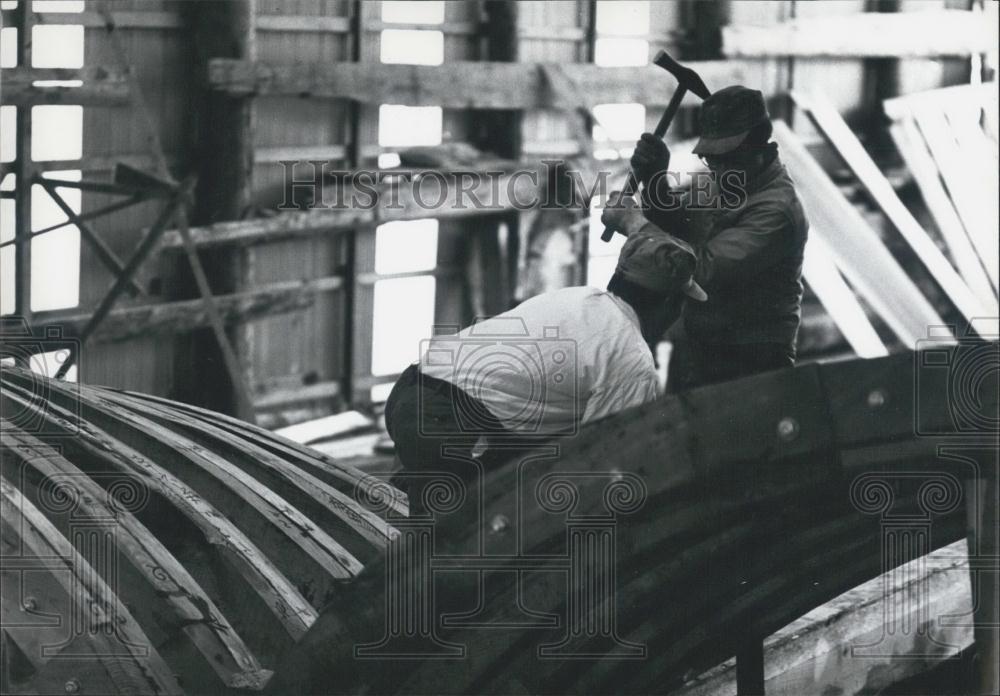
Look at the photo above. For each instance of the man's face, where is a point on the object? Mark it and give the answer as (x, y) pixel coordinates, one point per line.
(743, 161)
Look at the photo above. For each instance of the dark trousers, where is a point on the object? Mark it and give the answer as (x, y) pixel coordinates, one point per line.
(694, 364)
(435, 426)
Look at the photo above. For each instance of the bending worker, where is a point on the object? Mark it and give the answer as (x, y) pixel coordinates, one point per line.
(749, 233)
(555, 361)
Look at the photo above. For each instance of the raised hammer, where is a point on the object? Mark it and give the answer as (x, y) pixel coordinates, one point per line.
(687, 81)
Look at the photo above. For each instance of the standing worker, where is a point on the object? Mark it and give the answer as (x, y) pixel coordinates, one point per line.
(749, 233)
(555, 361)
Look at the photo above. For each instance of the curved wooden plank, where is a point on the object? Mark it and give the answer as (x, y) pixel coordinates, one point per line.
(313, 490)
(385, 499)
(196, 613)
(131, 662)
(282, 598)
(748, 521)
(230, 488)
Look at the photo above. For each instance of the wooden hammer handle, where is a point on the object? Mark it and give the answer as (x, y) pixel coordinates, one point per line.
(631, 185)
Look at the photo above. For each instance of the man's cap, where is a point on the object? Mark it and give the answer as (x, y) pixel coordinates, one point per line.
(660, 262)
(727, 117)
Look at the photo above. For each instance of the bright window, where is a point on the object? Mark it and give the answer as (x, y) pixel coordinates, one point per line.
(404, 316)
(57, 46)
(404, 126)
(48, 364)
(8, 47)
(620, 53)
(603, 255)
(619, 122)
(403, 312)
(622, 17)
(56, 133)
(408, 12)
(57, 6)
(6, 220)
(412, 47)
(406, 246)
(617, 126)
(8, 133)
(7, 280)
(55, 256)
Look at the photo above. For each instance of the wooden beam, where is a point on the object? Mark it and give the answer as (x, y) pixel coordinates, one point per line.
(99, 163)
(282, 397)
(226, 139)
(302, 23)
(181, 316)
(120, 20)
(258, 574)
(856, 248)
(188, 604)
(446, 28)
(831, 124)
(804, 656)
(983, 522)
(262, 230)
(477, 85)
(103, 252)
(224, 192)
(300, 488)
(24, 171)
(923, 34)
(982, 95)
(838, 299)
(140, 666)
(977, 211)
(102, 86)
(512, 190)
(301, 153)
(913, 149)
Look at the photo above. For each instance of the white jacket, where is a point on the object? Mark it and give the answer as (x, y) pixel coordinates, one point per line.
(556, 360)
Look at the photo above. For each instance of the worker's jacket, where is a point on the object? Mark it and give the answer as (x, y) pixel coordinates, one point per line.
(749, 259)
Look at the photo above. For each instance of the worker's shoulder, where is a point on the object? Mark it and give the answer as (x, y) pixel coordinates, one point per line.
(563, 298)
(779, 196)
(567, 309)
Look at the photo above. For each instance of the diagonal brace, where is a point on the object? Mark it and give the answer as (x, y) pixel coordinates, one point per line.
(103, 251)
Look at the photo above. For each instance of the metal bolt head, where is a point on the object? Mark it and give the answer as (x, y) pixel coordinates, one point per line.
(72, 687)
(499, 524)
(30, 603)
(877, 398)
(788, 429)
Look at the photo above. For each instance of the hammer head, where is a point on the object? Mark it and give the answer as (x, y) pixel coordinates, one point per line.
(686, 77)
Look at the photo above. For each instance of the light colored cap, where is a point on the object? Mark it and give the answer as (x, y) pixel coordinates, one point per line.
(660, 263)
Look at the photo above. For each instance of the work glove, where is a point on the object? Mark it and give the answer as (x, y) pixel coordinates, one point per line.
(623, 214)
(651, 156)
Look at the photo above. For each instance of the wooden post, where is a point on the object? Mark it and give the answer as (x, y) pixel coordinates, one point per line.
(981, 508)
(224, 148)
(750, 668)
(501, 135)
(224, 30)
(24, 172)
(879, 82)
(360, 247)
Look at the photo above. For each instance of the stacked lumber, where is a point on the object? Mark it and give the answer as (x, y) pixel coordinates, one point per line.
(948, 139)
